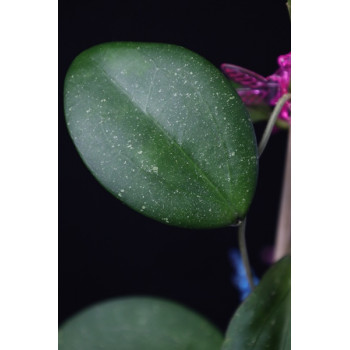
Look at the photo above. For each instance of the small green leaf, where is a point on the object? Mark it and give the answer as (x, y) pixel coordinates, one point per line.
(263, 320)
(164, 131)
(262, 113)
(259, 112)
(138, 324)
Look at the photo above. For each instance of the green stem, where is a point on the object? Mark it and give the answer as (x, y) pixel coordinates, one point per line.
(244, 252)
(272, 121)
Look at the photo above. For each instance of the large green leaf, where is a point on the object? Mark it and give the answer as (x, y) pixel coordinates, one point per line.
(164, 131)
(138, 324)
(263, 320)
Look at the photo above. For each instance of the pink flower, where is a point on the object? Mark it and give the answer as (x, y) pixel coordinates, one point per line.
(256, 90)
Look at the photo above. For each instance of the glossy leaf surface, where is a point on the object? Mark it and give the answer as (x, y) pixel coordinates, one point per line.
(164, 131)
(263, 320)
(138, 323)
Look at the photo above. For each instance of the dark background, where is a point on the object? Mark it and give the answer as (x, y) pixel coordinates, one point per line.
(106, 249)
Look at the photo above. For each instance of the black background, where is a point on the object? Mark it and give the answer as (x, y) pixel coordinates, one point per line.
(106, 249)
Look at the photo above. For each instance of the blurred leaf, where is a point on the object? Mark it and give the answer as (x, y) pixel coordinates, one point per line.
(259, 113)
(138, 324)
(263, 320)
(164, 131)
(282, 124)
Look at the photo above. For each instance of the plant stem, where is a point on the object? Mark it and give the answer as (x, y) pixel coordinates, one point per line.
(241, 229)
(271, 122)
(283, 233)
(244, 252)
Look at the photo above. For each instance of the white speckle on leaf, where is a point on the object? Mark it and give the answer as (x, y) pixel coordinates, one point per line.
(155, 169)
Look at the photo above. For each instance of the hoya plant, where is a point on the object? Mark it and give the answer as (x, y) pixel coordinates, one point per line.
(169, 135)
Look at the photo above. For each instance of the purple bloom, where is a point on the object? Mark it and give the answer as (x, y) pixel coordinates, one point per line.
(256, 90)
